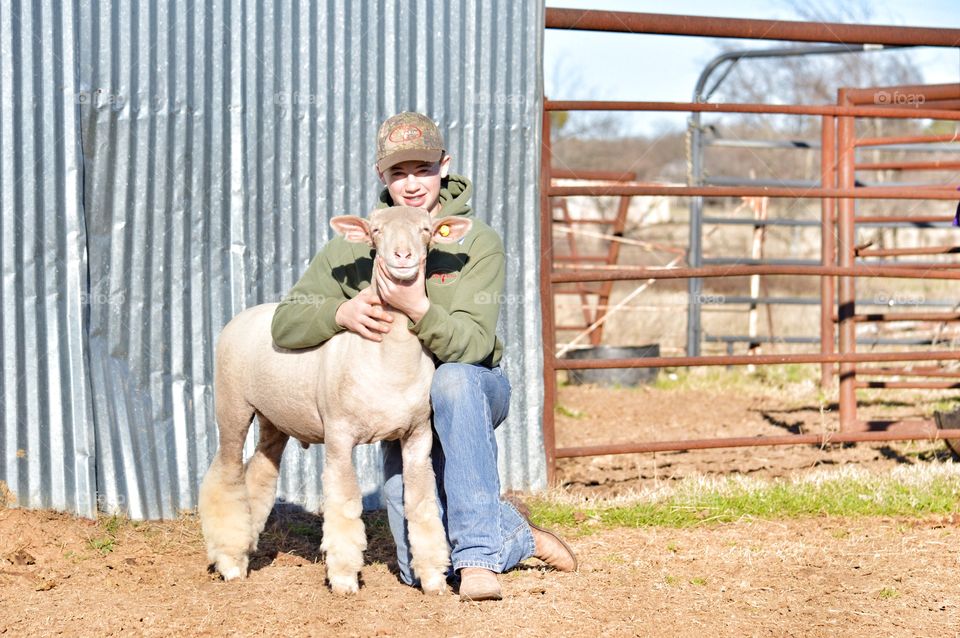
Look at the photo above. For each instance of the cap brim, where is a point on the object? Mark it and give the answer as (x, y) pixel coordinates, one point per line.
(421, 154)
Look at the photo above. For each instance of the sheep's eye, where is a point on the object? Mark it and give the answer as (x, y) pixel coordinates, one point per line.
(375, 231)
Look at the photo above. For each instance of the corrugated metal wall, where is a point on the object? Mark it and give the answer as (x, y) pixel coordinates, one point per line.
(47, 440)
(217, 139)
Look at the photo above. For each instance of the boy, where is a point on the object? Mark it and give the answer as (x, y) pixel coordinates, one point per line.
(453, 308)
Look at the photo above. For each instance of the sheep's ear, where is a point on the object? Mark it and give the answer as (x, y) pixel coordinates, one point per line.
(353, 228)
(447, 230)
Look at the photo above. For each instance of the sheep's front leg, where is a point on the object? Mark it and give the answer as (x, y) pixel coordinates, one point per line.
(344, 538)
(223, 504)
(428, 540)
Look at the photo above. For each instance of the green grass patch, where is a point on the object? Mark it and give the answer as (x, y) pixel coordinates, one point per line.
(718, 377)
(305, 530)
(103, 544)
(888, 593)
(570, 412)
(911, 491)
(947, 405)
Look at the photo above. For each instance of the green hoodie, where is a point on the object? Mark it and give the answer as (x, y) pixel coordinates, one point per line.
(464, 282)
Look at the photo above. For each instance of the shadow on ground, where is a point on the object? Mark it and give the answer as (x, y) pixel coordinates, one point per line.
(293, 530)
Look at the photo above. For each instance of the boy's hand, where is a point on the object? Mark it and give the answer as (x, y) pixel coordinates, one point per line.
(364, 314)
(409, 297)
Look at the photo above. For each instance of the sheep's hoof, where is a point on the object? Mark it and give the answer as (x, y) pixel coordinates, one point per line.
(435, 586)
(232, 569)
(344, 585)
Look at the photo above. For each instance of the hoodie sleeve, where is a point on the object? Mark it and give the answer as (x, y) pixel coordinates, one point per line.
(307, 315)
(465, 331)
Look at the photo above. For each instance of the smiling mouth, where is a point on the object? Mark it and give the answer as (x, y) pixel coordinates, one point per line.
(416, 201)
(402, 273)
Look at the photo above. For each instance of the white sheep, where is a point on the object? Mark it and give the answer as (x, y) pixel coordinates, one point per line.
(348, 391)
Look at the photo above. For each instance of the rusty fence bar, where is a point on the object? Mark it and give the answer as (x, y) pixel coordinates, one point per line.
(826, 32)
(646, 272)
(761, 109)
(911, 372)
(828, 244)
(759, 359)
(918, 430)
(907, 139)
(861, 192)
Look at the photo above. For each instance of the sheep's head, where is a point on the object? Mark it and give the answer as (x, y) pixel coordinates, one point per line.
(401, 235)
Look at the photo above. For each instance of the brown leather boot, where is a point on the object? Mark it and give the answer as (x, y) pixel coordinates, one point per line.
(477, 583)
(548, 546)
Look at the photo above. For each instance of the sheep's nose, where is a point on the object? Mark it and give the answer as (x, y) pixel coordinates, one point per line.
(402, 254)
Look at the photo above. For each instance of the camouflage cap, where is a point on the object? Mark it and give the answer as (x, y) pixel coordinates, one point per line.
(408, 136)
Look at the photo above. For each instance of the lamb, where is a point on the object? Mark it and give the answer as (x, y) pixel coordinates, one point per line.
(347, 391)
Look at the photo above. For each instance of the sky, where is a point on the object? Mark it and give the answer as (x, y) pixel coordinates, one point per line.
(615, 66)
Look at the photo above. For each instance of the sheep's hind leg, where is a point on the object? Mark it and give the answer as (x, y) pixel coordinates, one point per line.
(344, 538)
(223, 505)
(428, 540)
(263, 470)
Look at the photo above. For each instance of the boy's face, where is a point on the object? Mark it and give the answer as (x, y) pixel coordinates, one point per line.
(416, 183)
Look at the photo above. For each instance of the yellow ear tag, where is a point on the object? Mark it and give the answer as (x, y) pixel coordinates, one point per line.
(444, 230)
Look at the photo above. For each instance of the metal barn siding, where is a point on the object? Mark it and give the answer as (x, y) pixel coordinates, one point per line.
(46, 441)
(217, 140)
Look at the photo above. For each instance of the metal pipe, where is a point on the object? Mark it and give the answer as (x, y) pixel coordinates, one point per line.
(759, 359)
(909, 139)
(720, 180)
(910, 372)
(865, 341)
(949, 105)
(891, 221)
(871, 192)
(906, 252)
(746, 221)
(909, 144)
(812, 301)
(907, 316)
(918, 219)
(762, 109)
(925, 430)
(910, 385)
(641, 272)
(808, 183)
(547, 303)
(935, 165)
(695, 233)
(884, 94)
(836, 33)
(723, 261)
(733, 57)
(846, 253)
(828, 257)
(610, 176)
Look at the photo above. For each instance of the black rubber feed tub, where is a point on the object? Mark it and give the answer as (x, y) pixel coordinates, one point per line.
(621, 377)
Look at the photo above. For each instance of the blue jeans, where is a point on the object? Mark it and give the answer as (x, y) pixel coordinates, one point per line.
(469, 401)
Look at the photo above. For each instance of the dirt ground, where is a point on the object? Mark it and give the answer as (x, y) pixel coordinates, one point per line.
(593, 415)
(60, 575)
